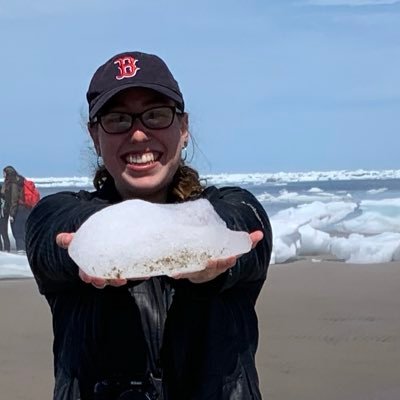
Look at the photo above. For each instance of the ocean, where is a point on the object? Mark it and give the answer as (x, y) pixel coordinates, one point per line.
(351, 216)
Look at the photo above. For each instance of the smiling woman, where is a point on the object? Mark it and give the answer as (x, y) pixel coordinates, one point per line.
(191, 336)
(139, 135)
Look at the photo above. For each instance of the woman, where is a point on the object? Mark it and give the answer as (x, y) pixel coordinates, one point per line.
(4, 239)
(108, 334)
(13, 207)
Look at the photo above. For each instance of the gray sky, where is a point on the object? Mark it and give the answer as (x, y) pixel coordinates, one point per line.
(270, 85)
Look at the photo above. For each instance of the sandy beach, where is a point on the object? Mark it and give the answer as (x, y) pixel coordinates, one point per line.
(328, 330)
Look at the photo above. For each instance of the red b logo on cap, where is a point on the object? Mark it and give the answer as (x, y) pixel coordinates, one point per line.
(127, 67)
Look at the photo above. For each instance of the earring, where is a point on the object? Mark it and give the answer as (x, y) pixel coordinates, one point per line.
(184, 152)
(99, 161)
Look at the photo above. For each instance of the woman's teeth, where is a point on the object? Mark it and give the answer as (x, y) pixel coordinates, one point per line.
(141, 158)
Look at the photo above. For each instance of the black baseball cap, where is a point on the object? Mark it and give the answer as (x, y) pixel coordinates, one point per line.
(131, 69)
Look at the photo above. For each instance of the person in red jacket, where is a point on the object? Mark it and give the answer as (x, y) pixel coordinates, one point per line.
(14, 207)
(193, 337)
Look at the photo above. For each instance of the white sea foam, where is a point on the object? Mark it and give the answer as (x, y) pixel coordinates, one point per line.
(377, 191)
(310, 176)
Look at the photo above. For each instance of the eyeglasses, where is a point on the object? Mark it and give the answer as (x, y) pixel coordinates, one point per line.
(121, 122)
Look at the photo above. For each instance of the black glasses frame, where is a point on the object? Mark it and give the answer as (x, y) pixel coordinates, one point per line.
(135, 116)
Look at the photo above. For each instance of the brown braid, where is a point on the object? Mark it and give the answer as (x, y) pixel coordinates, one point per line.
(185, 185)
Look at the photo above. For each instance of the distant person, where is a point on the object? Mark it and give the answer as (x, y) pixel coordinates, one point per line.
(20, 196)
(108, 333)
(4, 239)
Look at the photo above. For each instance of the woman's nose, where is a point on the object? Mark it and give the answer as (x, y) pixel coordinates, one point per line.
(138, 133)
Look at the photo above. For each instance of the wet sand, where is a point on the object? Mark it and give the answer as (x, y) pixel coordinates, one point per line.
(328, 330)
(26, 370)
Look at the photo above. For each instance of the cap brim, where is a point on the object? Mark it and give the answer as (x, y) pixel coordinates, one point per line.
(105, 97)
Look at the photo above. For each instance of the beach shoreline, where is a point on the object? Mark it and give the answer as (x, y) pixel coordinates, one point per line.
(327, 330)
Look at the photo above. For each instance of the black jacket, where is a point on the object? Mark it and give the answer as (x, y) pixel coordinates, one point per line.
(208, 334)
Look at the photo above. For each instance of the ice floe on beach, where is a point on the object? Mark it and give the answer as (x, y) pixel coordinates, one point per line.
(135, 238)
(14, 266)
(352, 232)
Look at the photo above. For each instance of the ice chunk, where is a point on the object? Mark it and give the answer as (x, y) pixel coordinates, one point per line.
(135, 238)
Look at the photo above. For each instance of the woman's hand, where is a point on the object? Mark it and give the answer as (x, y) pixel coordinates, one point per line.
(63, 240)
(215, 268)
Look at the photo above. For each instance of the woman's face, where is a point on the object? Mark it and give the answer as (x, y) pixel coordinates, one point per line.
(142, 161)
